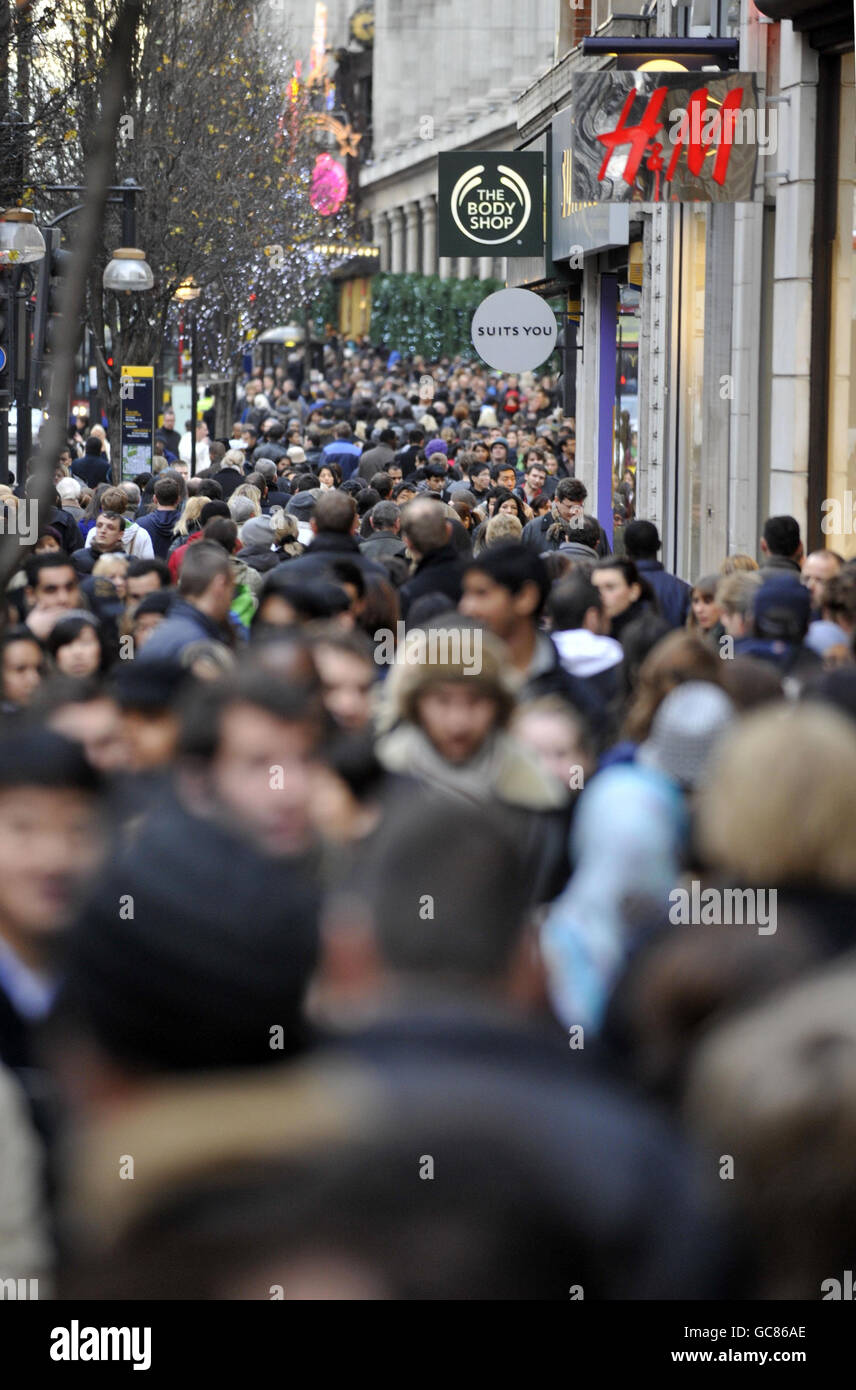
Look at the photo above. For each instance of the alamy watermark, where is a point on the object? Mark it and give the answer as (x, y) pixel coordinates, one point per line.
(709, 907)
(744, 127)
(22, 520)
(436, 646)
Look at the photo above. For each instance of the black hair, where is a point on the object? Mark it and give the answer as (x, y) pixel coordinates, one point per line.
(138, 567)
(348, 572)
(782, 535)
(67, 629)
(47, 560)
(512, 566)
(631, 575)
(504, 494)
(38, 757)
(571, 599)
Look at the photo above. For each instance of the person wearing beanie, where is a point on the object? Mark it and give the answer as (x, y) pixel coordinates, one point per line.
(780, 614)
(257, 541)
(437, 446)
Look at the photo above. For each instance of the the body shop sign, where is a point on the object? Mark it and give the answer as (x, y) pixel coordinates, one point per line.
(490, 203)
(653, 137)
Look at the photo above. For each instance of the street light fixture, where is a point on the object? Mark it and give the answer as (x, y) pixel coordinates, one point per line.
(21, 246)
(21, 242)
(187, 292)
(128, 272)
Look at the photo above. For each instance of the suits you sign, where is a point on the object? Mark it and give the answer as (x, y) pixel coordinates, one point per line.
(514, 330)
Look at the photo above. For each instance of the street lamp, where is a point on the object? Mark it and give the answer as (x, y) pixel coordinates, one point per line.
(21, 246)
(21, 242)
(187, 292)
(128, 272)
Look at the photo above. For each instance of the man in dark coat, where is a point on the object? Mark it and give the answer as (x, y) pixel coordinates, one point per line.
(93, 468)
(641, 543)
(427, 532)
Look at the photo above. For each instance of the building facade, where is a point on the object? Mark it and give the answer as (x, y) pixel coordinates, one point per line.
(717, 340)
(446, 76)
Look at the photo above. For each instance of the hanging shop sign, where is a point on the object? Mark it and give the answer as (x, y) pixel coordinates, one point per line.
(490, 202)
(514, 330)
(578, 229)
(654, 137)
(137, 394)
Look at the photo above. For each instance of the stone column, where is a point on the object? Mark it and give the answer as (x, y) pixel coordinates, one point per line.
(411, 223)
(485, 267)
(380, 237)
(465, 268)
(444, 267)
(396, 255)
(429, 235)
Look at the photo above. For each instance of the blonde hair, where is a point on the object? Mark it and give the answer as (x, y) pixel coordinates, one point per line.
(776, 760)
(284, 526)
(246, 493)
(502, 528)
(110, 564)
(192, 507)
(736, 591)
(735, 564)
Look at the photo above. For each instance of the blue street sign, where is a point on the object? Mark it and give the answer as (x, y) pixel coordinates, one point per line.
(3, 359)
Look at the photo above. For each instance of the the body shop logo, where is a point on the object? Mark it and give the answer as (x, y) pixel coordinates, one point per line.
(490, 201)
(491, 215)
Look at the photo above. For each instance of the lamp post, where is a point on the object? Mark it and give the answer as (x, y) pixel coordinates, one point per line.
(187, 293)
(128, 272)
(21, 245)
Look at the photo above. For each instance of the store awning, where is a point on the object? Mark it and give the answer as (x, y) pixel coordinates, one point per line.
(828, 23)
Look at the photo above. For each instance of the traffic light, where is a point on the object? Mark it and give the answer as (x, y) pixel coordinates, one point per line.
(47, 316)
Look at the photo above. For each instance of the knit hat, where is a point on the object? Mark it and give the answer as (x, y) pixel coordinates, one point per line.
(781, 609)
(685, 730)
(257, 532)
(437, 446)
(301, 505)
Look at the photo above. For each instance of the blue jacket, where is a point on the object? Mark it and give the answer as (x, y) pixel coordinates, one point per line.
(183, 626)
(160, 526)
(673, 594)
(343, 452)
